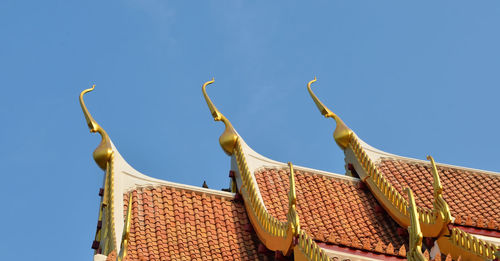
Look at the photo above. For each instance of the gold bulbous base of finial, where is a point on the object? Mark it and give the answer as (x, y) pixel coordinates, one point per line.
(229, 137)
(342, 133)
(228, 141)
(103, 152)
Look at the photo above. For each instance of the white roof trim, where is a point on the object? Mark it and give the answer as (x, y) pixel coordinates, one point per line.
(342, 255)
(256, 161)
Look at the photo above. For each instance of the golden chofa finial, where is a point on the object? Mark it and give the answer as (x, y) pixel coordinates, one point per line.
(342, 133)
(228, 138)
(103, 152)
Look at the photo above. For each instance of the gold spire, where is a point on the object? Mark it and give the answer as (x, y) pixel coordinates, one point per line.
(440, 204)
(342, 133)
(415, 244)
(228, 138)
(103, 152)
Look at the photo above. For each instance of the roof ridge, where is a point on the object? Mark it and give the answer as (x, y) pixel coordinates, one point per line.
(314, 172)
(180, 186)
(380, 154)
(423, 162)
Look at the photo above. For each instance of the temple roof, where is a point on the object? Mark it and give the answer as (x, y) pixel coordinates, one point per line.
(312, 214)
(472, 195)
(334, 209)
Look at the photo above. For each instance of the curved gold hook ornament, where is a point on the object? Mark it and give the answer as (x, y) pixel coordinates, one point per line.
(440, 204)
(342, 133)
(228, 138)
(438, 188)
(292, 196)
(103, 152)
(414, 231)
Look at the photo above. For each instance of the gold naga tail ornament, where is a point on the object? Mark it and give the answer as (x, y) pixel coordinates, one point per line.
(415, 244)
(103, 152)
(440, 206)
(342, 133)
(228, 138)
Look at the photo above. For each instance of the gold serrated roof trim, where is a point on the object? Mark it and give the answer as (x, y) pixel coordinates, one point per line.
(273, 233)
(462, 244)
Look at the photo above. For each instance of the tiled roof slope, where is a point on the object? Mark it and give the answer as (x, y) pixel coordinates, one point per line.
(473, 196)
(334, 211)
(177, 224)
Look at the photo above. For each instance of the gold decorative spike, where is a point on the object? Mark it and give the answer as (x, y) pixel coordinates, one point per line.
(438, 188)
(415, 246)
(440, 204)
(292, 197)
(342, 133)
(292, 203)
(228, 138)
(126, 231)
(103, 152)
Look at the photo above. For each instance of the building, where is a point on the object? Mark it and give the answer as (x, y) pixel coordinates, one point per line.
(386, 207)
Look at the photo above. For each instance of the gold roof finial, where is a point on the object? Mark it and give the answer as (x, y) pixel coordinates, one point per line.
(228, 138)
(103, 152)
(415, 244)
(439, 202)
(342, 133)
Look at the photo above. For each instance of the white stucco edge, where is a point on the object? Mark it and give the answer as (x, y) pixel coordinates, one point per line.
(344, 255)
(100, 257)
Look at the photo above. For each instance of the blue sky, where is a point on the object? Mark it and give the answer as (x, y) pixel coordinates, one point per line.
(409, 78)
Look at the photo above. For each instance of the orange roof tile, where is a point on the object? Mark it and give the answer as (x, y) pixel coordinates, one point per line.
(332, 210)
(471, 195)
(177, 224)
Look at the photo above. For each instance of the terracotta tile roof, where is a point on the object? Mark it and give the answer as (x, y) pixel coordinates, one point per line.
(177, 224)
(334, 211)
(471, 195)
(112, 256)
